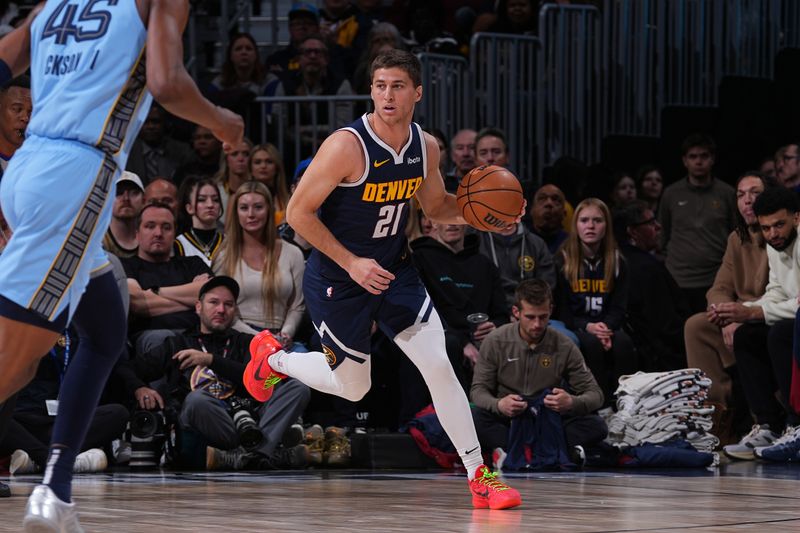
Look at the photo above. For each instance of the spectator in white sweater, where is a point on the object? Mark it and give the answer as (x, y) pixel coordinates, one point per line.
(268, 270)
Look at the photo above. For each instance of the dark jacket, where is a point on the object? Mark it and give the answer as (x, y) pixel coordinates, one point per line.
(589, 301)
(231, 351)
(460, 283)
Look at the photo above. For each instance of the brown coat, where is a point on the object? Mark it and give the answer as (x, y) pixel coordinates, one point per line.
(744, 272)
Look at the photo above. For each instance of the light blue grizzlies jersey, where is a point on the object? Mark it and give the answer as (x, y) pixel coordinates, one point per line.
(369, 216)
(88, 74)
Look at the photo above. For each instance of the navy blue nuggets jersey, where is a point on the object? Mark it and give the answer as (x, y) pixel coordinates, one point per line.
(369, 216)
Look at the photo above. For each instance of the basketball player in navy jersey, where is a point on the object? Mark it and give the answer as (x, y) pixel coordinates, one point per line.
(93, 67)
(352, 206)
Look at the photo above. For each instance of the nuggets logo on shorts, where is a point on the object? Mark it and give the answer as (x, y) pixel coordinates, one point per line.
(545, 360)
(329, 355)
(526, 263)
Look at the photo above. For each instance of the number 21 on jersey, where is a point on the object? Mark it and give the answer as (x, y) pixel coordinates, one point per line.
(389, 217)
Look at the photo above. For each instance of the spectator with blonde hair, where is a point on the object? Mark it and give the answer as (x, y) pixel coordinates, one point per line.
(266, 166)
(268, 270)
(234, 169)
(593, 290)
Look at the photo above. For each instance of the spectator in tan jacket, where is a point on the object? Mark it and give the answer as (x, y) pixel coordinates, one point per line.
(742, 277)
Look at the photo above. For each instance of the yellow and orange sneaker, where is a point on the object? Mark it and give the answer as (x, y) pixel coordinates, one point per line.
(489, 492)
(259, 378)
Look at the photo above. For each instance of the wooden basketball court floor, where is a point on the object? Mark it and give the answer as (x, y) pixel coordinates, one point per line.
(743, 496)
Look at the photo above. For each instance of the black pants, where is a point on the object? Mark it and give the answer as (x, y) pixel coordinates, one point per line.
(608, 366)
(492, 429)
(31, 431)
(696, 298)
(764, 361)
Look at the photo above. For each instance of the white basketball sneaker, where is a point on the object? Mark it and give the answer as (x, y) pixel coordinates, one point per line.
(45, 513)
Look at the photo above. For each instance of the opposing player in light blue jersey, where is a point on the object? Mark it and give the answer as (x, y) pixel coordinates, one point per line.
(94, 65)
(352, 206)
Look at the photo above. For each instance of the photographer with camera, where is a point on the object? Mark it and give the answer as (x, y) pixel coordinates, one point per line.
(203, 370)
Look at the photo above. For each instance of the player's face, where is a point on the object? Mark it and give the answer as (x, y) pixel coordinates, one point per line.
(491, 150)
(533, 320)
(207, 206)
(253, 210)
(263, 168)
(394, 95)
(156, 233)
(239, 160)
(591, 225)
(16, 113)
(746, 193)
(216, 310)
(128, 202)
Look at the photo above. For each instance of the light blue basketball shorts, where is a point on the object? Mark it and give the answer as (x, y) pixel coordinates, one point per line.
(57, 197)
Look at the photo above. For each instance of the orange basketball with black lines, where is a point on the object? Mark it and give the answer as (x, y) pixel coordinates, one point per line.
(489, 197)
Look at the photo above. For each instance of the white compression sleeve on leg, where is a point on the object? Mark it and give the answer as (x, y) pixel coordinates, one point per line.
(350, 380)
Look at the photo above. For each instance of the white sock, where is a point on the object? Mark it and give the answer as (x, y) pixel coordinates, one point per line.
(425, 346)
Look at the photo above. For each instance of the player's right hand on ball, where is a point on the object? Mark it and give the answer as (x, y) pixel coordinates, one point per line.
(370, 275)
(230, 130)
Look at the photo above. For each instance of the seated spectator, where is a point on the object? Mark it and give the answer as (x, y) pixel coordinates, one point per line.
(742, 277)
(383, 36)
(787, 166)
(268, 269)
(656, 309)
(154, 153)
(593, 287)
(30, 430)
(163, 289)
(303, 21)
(444, 150)
(120, 238)
(462, 154)
(340, 26)
(517, 253)
(242, 72)
(547, 216)
(203, 369)
(767, 166)
(623, 189)
(204, 237)
(207, 152)
(315, 77)
(426, 31)
(650, 186)
(234, 170)
(510, 16)
(161, 191)
(266, 166)
(768, 322)
(519, 361)
(461, 282)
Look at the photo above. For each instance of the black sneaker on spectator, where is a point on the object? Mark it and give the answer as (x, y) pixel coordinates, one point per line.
(281, 459)
(217, 459)
(293, 436)
(578, 456)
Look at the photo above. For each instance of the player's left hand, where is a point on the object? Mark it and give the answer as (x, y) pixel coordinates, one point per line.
(191, 357)
(370, 275)
(559, 401)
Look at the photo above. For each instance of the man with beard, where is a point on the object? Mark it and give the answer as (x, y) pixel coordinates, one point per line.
(768, 321)
(120, 238)
(163, 289)
(203, 368)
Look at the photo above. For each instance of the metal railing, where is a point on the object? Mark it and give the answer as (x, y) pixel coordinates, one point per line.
(504, 68)
(447, 101)
(315, 117)
(569, 118)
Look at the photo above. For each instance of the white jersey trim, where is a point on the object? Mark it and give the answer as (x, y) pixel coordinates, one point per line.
(398, 157)
(363, 177)
(424, 150)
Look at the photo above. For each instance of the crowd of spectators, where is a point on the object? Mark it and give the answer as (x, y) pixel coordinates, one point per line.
(634, 271)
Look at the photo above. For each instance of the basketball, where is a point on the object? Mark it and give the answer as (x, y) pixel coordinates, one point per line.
(489, 197)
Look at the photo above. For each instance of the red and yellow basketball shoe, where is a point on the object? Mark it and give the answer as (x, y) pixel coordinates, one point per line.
(259, 378)
(489, 492)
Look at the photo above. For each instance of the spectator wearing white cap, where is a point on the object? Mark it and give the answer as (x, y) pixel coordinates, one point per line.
(120, 239)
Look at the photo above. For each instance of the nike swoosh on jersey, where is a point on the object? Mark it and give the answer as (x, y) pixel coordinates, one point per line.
(376, 164)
